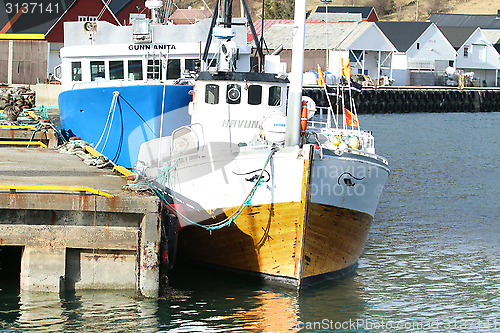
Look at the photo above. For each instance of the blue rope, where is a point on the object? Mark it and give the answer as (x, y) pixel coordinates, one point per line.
(227, 221)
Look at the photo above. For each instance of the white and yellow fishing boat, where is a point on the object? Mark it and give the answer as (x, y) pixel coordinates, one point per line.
(260, 187)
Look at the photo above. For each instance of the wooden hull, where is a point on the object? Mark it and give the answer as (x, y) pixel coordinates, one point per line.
(282, 245)
(295, 243)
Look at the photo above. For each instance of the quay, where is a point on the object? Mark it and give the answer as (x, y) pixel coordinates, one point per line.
(74, 225)
(405, 99)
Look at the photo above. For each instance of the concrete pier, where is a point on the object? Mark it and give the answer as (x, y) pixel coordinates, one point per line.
(77, 239)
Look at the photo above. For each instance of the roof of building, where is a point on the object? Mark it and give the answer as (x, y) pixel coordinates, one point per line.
(365, 11)
(337, 17)
(457, 36)
(33, 24)
(186, 16)
(117, 5)
(466, 20)
(258, 25)
(340, 35)
(41, 24)
(403, 34)
(492, 35)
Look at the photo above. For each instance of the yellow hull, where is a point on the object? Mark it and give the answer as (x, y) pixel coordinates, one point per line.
(290, 243)
(278, 242)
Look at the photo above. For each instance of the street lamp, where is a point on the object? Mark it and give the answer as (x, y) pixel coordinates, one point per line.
(326, 2)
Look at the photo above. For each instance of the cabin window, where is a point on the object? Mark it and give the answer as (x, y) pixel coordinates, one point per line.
(466, 51)
(192, 65)
(97, 70)
(154, 69)
(116, 70)
(418, 46)
(76, 71)
(274, 96)
(173, 69)
(135, 70)
(212, 94)
(255, 95)
(233, 95)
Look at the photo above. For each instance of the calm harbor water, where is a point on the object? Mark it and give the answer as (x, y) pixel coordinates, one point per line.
(431, 263)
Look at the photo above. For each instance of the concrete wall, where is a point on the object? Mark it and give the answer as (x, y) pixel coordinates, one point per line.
(83, 241)
(46, 94)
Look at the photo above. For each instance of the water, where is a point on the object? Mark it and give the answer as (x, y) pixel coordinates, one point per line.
(431, 263)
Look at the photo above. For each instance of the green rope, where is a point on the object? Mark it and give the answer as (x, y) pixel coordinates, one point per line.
(227, 221)
(42, 109)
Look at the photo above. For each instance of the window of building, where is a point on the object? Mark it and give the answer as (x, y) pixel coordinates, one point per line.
(254, 95)
(97, 71)
(173, 69)
(466, 51)
(418, 46)
(480, 52)
(135, 70)
(154, 69)
(233, 95)
(76, 71)
(116, 70)
(212, 94)
(451, 63)
(274, 96)
(87, 18)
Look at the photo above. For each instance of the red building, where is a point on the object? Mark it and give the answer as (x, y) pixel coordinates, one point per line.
(118, 12)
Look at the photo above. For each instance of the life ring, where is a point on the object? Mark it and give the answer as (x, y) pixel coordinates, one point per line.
(303, 118)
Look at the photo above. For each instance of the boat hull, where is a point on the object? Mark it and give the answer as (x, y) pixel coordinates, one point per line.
(274, 242)
(136, 117)
(315, 235)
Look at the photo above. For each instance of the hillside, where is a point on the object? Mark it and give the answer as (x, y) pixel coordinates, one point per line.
(406, 10)
(399, 10)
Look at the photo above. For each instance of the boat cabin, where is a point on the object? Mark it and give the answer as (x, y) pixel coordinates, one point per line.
(234, 107)
(105, 55)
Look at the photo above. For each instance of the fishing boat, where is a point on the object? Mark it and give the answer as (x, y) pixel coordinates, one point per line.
(124, 85)
(257, 184)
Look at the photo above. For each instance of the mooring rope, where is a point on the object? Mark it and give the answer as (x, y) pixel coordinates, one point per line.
(228, 220)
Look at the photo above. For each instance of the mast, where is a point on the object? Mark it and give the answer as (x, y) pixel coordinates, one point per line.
(292, 137)
(227, 6)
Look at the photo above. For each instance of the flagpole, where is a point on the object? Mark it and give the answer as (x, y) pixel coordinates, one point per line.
(323, 84)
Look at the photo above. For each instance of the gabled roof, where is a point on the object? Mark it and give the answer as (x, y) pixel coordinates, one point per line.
(28, 23)
(258, 24)
(365, 11)
(494, 37)
(457, 36)
(117, 5)
(340, 35)
(403, 34)
(466, 20)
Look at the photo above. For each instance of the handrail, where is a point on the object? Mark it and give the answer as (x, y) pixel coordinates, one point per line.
(360, 152)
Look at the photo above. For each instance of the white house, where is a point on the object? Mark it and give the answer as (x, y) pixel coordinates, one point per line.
(363, 43)
(423, 52)
(475, 53)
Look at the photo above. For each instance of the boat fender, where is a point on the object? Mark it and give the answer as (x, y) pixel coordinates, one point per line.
(336, 141)
(354, 142)
(303, 118)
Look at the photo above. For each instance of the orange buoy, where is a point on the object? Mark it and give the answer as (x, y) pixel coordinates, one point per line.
(303, 118)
